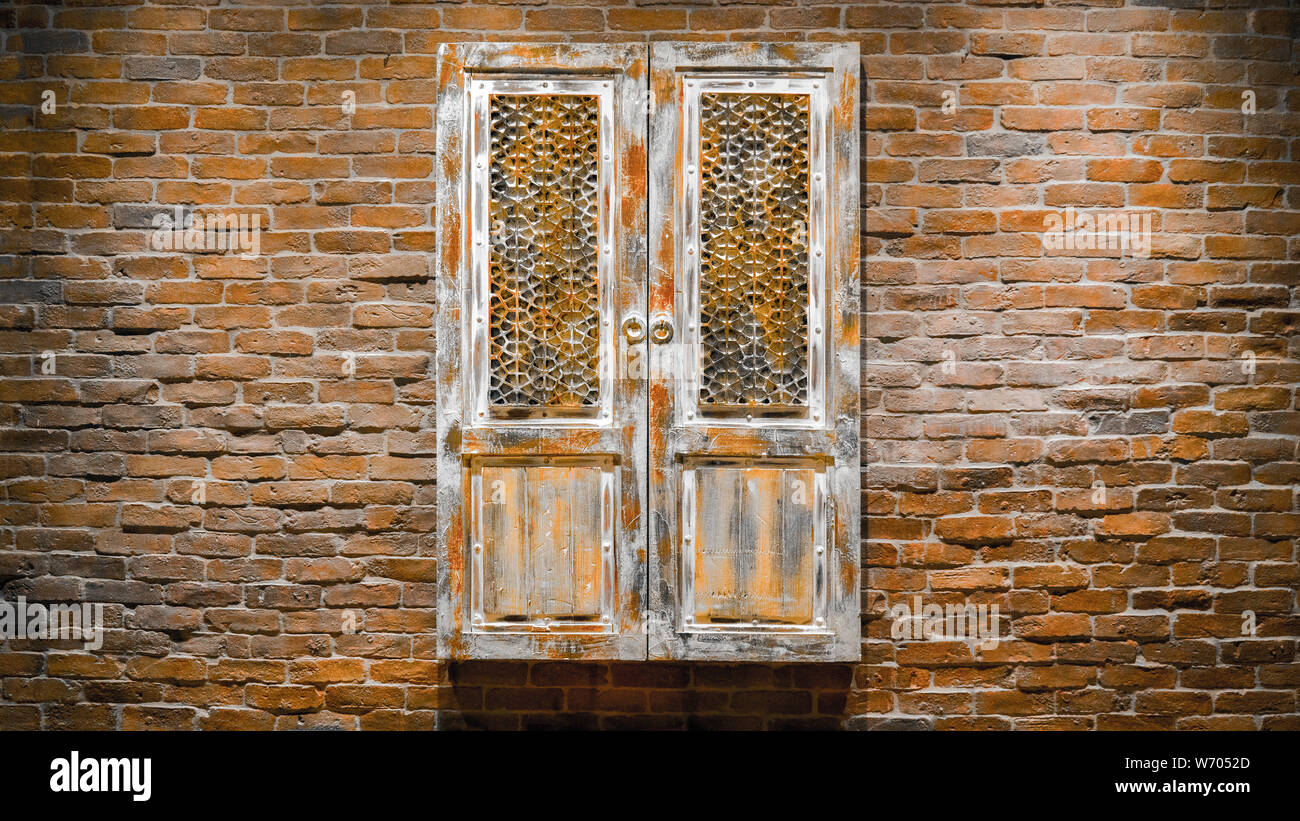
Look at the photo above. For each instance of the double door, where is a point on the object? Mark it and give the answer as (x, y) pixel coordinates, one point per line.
(647, 351)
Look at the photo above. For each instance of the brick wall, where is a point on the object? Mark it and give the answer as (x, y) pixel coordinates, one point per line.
(1004, 385)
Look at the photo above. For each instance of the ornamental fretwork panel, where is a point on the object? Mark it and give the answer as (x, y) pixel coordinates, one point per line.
(543, 310)
(753, 251)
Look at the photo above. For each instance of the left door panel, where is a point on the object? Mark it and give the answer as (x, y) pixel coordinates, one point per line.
(541, 217)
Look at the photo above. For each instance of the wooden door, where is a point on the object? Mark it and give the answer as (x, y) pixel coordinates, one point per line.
(540, 351)
(754, 464)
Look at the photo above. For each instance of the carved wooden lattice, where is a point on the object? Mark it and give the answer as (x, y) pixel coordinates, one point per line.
(753, 251)
(544, 311)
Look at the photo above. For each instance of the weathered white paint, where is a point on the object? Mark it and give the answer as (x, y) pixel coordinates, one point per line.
(576, 577)
(819, 444)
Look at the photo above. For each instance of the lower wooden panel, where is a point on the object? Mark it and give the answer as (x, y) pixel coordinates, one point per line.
(545, 564)
(542, 547)
(753, 545)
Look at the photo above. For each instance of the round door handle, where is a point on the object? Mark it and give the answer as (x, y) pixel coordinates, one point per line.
(661, 329)
(634, 329)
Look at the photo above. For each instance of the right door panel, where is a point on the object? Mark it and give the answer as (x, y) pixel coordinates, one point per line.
(754, 378)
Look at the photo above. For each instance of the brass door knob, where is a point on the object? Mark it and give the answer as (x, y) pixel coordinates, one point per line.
(634, 329)
(661, 329)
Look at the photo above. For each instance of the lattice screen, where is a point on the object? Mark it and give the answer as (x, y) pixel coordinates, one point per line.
(753, 250)
(544, 313)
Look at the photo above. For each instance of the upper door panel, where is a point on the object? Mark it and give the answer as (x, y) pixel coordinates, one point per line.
(754, 389)
(541, 419)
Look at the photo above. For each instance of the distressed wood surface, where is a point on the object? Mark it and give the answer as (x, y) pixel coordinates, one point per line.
(765, 492)
(539, 576)
(755, 589)
(541, 542)
(754, 547)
